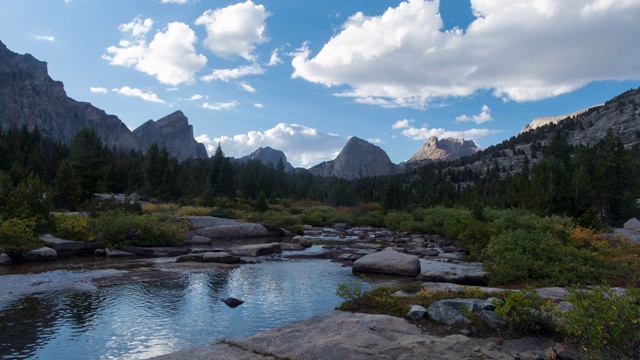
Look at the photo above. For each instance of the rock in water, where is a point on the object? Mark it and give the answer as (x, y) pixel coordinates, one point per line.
(232, 302)
(388, 262)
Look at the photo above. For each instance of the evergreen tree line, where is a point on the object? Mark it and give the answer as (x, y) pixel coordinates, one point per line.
(593, 184)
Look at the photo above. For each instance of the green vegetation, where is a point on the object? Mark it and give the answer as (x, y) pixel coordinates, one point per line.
(526, 312)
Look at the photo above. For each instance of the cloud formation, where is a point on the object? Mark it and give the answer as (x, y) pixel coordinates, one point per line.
(48, 38)
(170, 57)
(230, 74)
(235, 30)
(230, 105)
(481, 118)
(98, 90)
(424, 132)
(133, 92)
(521, 50)
(304, 146)
(246, 87)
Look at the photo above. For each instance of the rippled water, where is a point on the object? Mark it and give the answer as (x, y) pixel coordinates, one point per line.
(144, 319)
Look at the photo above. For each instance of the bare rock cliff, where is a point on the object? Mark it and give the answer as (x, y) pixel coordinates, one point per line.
(174, 133)
(267, 155)
(445, 149)
(358, 159)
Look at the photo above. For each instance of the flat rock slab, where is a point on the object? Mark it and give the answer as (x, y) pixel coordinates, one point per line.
(67, 247)
(457, 288)
(41, 254)
(239, 230)
(208, 221)
(256, 250)
(453, 272)
(356, 336)
(117, 253)
(388, 262)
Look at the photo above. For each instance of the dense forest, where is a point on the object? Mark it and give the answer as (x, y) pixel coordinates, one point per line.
(595, 184)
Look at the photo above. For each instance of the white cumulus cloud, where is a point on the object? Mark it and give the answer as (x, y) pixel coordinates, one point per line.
(196, 97)
(246, 87)
(258, 105)
(133, 92)
(274, 59)
(235, 30)
(170, 56)
(181, 2)
(230, 105)
(230, 74)
(481, 118)
(98, 90)
(521, 50)
(425, 133)
(402, 124)
(304, 146)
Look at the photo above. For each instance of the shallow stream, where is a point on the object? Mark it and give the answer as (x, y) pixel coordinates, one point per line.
(54, 311)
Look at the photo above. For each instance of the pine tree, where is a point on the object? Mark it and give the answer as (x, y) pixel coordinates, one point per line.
(87, 161)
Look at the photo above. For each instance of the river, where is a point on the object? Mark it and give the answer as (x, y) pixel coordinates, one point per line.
(55, 310)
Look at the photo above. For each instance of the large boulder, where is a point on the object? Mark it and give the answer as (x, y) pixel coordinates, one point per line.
(5, 259)
(453, 272)
(44, 253)
(301, 240)
(68, 247)
(208, 221)
(388, 262)
(239, 230)
(210, 257)
(256, 250)
(632, 224)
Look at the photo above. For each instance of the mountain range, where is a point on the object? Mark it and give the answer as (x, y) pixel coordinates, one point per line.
(29, 97)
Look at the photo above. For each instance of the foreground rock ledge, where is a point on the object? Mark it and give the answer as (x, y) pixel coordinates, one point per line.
(343, 335)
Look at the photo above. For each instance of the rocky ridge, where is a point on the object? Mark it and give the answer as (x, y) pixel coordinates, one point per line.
(30, 97)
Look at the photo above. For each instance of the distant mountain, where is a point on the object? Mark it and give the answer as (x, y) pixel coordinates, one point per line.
(267, 155)
(28, 96)
(445, 149)
(174, 133)
(358, 159)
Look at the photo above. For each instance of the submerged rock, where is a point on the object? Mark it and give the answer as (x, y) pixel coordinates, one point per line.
(232, 302)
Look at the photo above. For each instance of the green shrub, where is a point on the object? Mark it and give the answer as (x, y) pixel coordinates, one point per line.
(117, 228)
(394, 220)
(319, 216)
(373, 218)
(535, 257)
(281, 220)
(193, 211)
(349, 291)
(526, 312)
(73, 227)
(17, 235)
(605, 324)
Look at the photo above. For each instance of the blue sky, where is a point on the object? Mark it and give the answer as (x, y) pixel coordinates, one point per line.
(304, 76)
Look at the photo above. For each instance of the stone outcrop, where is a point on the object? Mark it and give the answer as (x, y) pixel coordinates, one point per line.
(445, 149)
(5, 259)
(114, 253)
(68, 247)
(453, 272)
(174, 133)
(267, 155)
(256, 250)
(388, 262)
(207, 257)
(542, 121)
(239, 230)
(358, 159)
(41, 254)
(28, 96)
(356, 336)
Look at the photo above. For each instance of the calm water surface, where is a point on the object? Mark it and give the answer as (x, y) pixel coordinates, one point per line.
(139, 320)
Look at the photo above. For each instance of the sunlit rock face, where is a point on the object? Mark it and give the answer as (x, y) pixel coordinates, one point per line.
(358, 159)
(267, 155)
(445, 149)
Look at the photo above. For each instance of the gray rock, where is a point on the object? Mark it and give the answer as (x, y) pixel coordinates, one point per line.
(441, 312)
(357, 336)
(291, 247)
(189, 258)
(632, 224)
(117, 253)
(552, 293)
(68, 247)
(445, 149)
(473, 305)
(493, 320)
(198, 240)
(43, 253)
(401, 294)
(5, 259)
(388, 262)
(100, 252)
(301, 240)
(453, 272)
(267, 155)
(220, 257)
(256, 250)
(208, 221)
(238, 230)
(416, 312)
